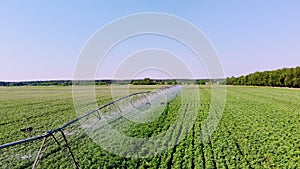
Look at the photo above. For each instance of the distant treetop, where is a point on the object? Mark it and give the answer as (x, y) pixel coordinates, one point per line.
(285, 77)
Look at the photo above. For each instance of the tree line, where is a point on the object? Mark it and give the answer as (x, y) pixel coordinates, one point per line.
(286, 77)
(145, 81)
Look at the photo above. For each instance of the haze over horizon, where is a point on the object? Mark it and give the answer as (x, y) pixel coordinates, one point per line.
(41, 40)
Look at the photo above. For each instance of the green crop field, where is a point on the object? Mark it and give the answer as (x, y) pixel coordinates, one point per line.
(260, 128)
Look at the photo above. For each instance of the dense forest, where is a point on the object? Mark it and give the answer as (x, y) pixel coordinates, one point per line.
(286, 77)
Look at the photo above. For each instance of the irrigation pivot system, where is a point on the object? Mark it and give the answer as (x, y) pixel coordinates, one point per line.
(54, 144)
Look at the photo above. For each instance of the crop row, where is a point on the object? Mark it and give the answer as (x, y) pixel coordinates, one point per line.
(258, 129)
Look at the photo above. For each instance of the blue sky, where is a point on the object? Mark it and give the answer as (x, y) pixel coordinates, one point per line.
(41, 40)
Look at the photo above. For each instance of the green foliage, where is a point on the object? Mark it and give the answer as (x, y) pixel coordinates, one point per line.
(201, 82)
(258, 129)
(286, 77)
(145, 81)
